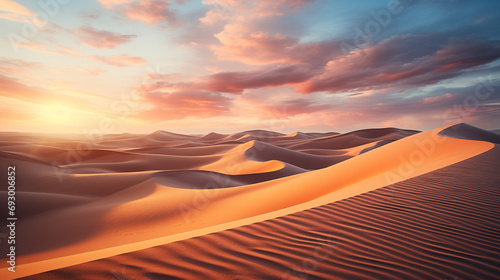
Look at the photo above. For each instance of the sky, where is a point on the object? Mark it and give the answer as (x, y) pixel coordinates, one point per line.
(197, 66)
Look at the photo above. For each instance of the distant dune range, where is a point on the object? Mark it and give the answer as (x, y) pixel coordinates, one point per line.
(259, 202)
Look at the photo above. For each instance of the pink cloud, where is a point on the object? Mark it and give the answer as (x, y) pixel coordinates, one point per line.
(178, 105)
(229, 9)
(243, 39)
(150, 11)
(256, 48)
(439, 98)
(236, 82)
(278, 7)
(173, 86)
(17, 66)
(238, 42)
(120, 60)
(101, 39)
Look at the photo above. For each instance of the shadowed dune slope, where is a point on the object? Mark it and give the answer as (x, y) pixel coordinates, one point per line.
(465, 131)
(441, 225)
(199, 179)
(353, 139)
(260, 151)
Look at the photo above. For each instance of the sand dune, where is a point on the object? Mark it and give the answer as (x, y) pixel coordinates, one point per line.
(135, 192)
(465, 131)
(441, 225)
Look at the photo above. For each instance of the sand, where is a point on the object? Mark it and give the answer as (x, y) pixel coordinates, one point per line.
(441, 225)
(128, 193)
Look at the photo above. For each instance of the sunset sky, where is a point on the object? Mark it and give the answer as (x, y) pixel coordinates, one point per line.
(193, 66)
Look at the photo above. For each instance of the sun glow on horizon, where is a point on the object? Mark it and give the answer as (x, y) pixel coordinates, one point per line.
(57, 114)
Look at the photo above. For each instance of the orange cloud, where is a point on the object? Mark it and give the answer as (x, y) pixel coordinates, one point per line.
(14, 11)
(14, 89)
(120, 60)
(45, 48)
(101, 39)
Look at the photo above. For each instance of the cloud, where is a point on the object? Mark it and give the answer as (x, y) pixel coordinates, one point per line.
(278, 7)
(10, 87)
(109, 4)
(150, 11)
(17, 66)
(120, 60)
(182, 104)
(90, 15)
(14, 89)
(238, 43)
(53, 48)
(250, 33)
(294, 107)
(14, 11)
(91, 71)
(236, 82)
(222, 10)
(101, 39)
(393, 63)
(420, 107)
(257, 48)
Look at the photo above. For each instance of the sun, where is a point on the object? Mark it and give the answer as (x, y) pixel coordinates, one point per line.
(58, 114)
